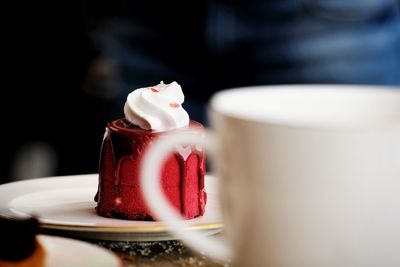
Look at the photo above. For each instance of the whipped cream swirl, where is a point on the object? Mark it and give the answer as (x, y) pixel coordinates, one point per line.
(157, 108)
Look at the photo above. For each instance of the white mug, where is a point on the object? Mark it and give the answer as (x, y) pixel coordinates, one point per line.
(309, 175)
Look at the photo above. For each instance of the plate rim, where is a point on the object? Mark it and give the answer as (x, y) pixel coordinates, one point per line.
(160, 228)
(127, 229)
(43, 238)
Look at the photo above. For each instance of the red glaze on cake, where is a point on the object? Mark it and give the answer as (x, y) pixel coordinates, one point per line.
(119, 193)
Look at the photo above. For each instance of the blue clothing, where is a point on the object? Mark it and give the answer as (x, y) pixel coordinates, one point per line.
(225, 44)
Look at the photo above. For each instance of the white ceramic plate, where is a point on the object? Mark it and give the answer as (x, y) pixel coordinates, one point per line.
(65, 203)
(65, 252)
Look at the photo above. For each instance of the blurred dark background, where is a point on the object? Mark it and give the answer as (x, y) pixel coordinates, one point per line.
(72, 63)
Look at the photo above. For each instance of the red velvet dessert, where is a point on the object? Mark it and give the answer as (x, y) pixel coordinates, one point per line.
(119, 192)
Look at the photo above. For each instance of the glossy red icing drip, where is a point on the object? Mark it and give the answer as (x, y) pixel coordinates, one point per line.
(202, 190)
(183, 173)
(119, 193)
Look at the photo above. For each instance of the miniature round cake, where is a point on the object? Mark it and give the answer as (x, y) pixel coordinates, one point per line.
(149, 113)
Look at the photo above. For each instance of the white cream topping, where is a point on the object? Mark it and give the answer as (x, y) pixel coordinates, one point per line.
(157, 108)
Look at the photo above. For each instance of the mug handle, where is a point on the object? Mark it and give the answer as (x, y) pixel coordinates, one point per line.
(157, 201)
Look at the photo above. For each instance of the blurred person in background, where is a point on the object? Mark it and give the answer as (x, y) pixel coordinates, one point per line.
(105, 50)
(210, 45)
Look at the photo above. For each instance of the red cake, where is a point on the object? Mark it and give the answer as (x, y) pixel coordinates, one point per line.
(119, 192)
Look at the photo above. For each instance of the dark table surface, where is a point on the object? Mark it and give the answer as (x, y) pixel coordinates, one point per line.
(162, 254)
(152, 253)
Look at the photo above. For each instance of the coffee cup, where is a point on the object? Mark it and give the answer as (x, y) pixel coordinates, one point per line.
(309, 176)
